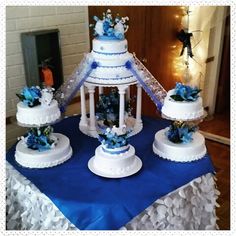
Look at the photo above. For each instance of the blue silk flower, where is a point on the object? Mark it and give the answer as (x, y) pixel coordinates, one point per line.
(30, 95)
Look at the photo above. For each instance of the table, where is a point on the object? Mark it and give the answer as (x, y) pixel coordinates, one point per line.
(187, 206)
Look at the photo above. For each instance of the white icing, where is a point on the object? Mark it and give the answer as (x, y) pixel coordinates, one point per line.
(111, 56)
(181, 152)
(111, 72)
(112, 82)
(110, 46)
(114, 163)
(38, 115)
(52, 157)
(112, 60)
(47, 96)
(182, 110)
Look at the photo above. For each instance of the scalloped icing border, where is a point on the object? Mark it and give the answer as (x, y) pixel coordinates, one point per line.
(182, 159)
(42, 121)
(48, 165)
(187, 116)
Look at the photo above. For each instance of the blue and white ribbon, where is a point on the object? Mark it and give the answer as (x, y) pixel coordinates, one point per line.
(69, 89)
(151, 86)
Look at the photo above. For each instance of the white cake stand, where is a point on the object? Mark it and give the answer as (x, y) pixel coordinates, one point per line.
(112, 164)
(180, 152)
(132, 171)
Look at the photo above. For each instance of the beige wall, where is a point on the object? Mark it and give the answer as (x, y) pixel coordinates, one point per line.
(72, 22)
(211, 21)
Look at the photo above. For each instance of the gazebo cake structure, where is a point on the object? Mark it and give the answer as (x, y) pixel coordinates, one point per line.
(89, 125)
(109, 64)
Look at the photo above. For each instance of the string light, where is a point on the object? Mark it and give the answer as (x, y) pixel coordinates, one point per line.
(190, 70)
(182, 63)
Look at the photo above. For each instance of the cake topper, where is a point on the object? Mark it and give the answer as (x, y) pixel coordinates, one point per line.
(34, 96)
(47, 96)
(30, 96)
(114, 137)
(109, 28)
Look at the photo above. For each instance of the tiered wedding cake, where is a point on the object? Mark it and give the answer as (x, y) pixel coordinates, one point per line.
(40, 148)
(37, 111)
(112, 54)
(114, 158)
(182, 110)
(110, 50)
(181, 142)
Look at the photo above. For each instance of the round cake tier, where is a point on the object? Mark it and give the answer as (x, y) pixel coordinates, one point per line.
(115, 163)
(177, 110)
(180, 152)
(52, 157)
(38, 115)
(113, 46)
(111, 56)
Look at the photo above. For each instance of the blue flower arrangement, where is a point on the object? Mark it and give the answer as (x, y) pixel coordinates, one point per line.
(107, 108)
(110, 139)
(39, 139)
(180, 132)
(30, 96)
(109, 28)
(185, 93)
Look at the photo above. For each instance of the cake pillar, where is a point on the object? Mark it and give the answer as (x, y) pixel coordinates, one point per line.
(100, 90)
(139, 104)
(83, 119)
(91, 90)
(122, 106)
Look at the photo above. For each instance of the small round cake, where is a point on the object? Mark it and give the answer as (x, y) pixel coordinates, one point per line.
(34, 159)
(111, 56)
(115, 163)
(180, 152)
(38, 115)
(182, 110)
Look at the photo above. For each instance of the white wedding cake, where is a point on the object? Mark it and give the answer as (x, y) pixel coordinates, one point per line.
(44, 113)
(38, 115)
(114, 158)
(110, 51)
(181, 152)
(181, 141)
(40, 147)
(182, 110)
(111, 56)
(30, 158)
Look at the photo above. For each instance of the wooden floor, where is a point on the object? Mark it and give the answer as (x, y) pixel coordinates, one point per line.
(219, 124)
(221, 159)
(220, 153)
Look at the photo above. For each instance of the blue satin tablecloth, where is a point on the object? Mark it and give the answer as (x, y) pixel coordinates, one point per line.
(91, 202)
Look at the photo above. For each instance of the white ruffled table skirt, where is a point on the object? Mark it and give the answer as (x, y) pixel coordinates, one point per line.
(191, 207)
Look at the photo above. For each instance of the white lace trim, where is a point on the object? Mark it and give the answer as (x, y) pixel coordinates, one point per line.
(190, 207)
